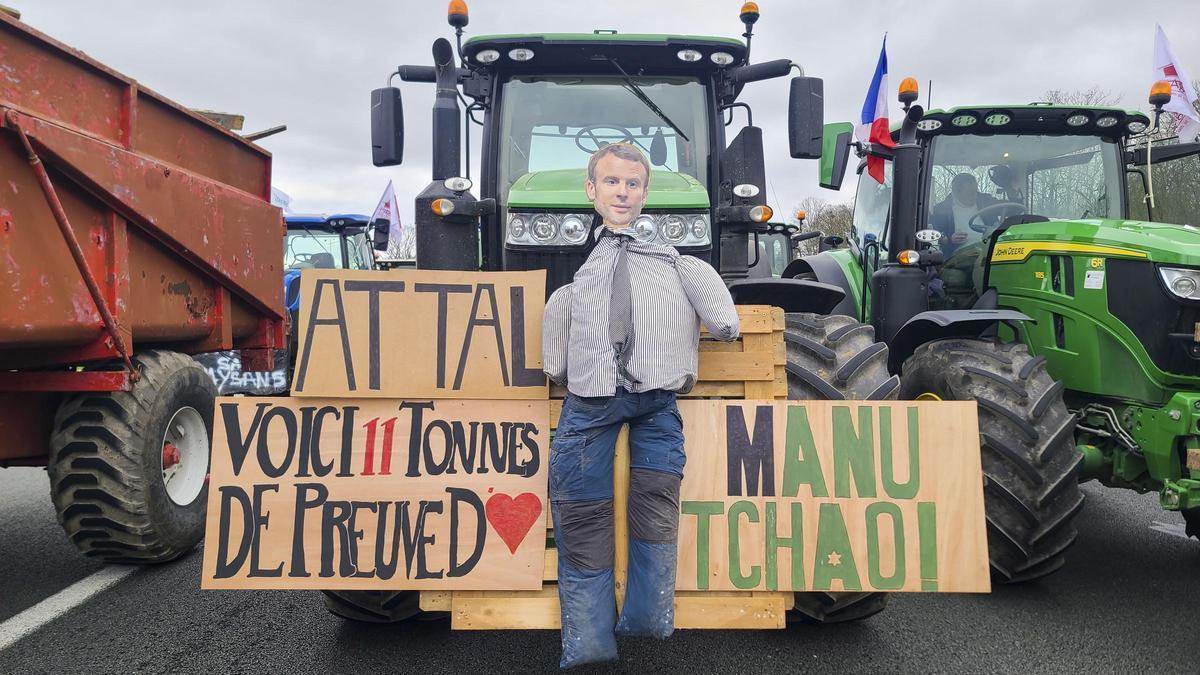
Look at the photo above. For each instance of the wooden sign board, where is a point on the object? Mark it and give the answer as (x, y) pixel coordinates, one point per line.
(420, 334)
(375, 494)
(832, 496)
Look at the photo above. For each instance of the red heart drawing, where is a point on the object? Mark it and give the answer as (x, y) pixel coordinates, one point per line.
(512, 518)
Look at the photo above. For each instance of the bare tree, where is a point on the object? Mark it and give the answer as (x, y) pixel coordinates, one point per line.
(828, 218)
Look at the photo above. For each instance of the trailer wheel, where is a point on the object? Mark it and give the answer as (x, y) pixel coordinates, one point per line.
(373, 606)
(128, 470)
(836, 358)
(1191, 519)
(1030, 465)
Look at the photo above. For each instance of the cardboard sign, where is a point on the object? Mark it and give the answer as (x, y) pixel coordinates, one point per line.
(832, 496)
(420, 334)
(370, 494)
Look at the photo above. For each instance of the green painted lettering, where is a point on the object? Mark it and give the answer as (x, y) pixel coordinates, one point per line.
(801, 464)
(874, 566)
(927, 533)
(853, 452)
(703, 512)
(887, 462)
(735, 557)
(835, 559)
(795, 542)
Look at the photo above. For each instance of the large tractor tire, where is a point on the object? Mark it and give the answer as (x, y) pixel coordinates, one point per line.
(1030, 465)
(128, 470)
(1191, 519)
(836, 358)
(373, 606)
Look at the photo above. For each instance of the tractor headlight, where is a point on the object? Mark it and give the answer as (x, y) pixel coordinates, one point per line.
(1183, 283)
(686, 230)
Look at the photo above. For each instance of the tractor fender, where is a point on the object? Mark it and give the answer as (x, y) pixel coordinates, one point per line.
(793, 295)
(827, 271)
(939, 325)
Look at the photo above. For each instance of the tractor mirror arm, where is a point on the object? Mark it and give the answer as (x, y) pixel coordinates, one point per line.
(1162, 153)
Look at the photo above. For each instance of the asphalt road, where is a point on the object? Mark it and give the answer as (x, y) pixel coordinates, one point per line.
(1127, 601)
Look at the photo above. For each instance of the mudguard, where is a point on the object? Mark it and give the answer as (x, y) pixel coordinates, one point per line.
(827, 271)
(793, 295)
(939, 325)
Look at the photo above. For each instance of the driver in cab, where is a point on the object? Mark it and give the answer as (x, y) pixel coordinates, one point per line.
(953, 215)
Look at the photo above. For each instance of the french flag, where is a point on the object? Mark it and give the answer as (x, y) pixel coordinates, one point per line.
(874, 125)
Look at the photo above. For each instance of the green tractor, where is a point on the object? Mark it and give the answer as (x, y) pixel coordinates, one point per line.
(999, 262)
(543, 104)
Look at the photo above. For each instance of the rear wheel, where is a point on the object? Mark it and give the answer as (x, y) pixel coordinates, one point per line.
(836, 358)
(373, 606)
(128, 470)
(1030, 465)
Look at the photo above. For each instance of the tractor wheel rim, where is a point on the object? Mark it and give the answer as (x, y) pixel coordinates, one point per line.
(928, 396)
(183, 458)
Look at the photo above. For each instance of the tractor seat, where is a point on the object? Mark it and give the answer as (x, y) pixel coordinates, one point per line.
(323, 261)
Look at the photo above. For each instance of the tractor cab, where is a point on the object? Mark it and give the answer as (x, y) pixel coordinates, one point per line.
(344, 241)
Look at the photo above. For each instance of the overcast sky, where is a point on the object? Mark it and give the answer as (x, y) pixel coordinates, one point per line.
(311, 65)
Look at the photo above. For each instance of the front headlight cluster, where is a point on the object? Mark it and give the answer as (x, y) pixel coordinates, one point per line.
(1184, 283)
(571, 229)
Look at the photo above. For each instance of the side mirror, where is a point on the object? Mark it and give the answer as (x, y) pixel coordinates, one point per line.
(380, 233)
(387, 127)
(835, 153)
(806, 115)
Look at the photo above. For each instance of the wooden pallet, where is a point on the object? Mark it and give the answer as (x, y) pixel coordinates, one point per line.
(751, 368)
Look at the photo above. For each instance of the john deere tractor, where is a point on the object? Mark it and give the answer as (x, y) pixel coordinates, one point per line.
(543, 104)
(999, 261)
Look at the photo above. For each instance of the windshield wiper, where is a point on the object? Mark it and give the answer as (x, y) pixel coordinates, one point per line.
(634, 89)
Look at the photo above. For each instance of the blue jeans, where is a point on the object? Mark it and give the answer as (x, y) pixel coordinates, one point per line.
(581, 496)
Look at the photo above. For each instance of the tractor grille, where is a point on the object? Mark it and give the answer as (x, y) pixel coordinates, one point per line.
(560, 265)
(1162, 323)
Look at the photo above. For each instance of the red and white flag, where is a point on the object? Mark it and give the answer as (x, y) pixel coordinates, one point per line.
(389, 211)
(874, 126)
(1187, 121)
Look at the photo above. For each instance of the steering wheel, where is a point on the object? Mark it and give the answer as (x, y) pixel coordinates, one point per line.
(981, 228)
(590, 133)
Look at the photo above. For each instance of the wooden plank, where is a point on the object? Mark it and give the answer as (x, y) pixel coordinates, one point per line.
(501, 610)
(551, 569)
(436, 601)
(777, 319)
(718, 346)
(764, 610)
(725, 367)
(762, 343)
(717, 390)
(1193, 459)
(555, 413)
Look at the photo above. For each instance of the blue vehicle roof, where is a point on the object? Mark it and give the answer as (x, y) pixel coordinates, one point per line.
(327, 222)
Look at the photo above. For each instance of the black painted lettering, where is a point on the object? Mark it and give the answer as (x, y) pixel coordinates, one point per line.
(239, 445)
(752, 457)
(476, 321)
(522, 376)
(414, 435)
(313, 321)
(443, 291)
(227, 567)
(304, 503)
(459, 496)
(288, 419)
(373, 289)
(261, 520)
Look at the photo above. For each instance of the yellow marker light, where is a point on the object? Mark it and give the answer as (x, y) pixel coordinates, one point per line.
(761, 214)
(1160, 93)
(456, 13)
(908, 257)
(801, 214)
(908, 90)
(442, 207)
(749, 9)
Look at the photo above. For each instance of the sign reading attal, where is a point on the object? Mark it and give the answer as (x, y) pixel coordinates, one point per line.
(832, 496)
(372, 494)
(421, 333)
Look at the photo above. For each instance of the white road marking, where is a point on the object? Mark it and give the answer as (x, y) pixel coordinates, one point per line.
(60, 603)
(1173, 529)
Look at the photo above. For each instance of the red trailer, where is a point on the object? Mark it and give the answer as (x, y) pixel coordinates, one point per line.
(133, 233)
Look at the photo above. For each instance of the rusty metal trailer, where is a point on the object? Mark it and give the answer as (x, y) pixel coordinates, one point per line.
(133, 233)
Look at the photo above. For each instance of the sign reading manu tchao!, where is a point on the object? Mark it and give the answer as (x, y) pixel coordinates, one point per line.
(420, 334)
(820, 495)
(377, 494)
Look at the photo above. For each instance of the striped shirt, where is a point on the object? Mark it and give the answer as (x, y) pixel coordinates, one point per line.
(672, 294)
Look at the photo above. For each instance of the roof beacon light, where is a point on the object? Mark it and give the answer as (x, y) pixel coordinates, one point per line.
(908, 91)
(1160, 93)
(456, 14)
(689, 55)
(520, 54)
(721, 58)
(761, 214)
(749, 13)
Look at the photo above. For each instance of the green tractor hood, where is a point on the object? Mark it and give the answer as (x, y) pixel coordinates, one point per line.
(563, 189)
(1155, 242)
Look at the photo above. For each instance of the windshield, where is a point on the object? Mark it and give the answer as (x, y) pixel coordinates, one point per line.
(1176, 191)
(978, 181)
(554, 123)
(316, 248)
(872, 203)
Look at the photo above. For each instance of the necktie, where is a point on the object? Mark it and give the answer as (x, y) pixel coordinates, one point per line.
(620, 310)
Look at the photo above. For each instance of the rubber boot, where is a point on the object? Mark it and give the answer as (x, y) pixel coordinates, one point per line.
(588, 613)
(650, 597)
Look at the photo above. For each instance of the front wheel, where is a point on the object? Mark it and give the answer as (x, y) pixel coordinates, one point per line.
(373, 606)
(1030, 464)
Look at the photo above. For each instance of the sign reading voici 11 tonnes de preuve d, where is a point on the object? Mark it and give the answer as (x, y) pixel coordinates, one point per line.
(418, 458)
